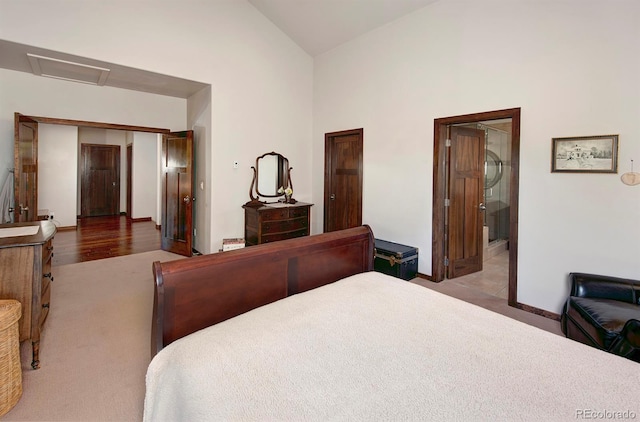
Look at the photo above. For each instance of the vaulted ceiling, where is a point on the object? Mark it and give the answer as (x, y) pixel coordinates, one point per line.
(317, 26)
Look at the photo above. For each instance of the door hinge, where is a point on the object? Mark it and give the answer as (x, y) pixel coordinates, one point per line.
(447, 202)
(447, 143)
(446, 261)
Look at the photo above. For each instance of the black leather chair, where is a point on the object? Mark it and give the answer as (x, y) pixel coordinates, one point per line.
(604, 312)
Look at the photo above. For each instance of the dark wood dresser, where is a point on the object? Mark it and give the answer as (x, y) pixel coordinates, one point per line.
(25, 275)
(277, 221)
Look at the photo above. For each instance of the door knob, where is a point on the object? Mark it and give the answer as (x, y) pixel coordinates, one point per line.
(186, 199)
(482, 206)
(332, 196)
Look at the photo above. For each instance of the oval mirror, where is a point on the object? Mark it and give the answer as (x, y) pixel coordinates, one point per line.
(492, 169)
(272, 173)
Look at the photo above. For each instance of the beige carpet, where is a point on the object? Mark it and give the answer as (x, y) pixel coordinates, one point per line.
(95, 347)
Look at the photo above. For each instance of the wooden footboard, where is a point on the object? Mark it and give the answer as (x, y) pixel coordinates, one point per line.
(194, 293)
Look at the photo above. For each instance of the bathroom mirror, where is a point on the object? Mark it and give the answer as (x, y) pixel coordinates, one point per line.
(492, 169)
(270, 173)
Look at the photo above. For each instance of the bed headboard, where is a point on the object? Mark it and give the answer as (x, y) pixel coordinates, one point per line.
(194, 293)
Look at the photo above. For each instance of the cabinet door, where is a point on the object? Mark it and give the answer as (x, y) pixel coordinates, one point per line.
(47, 278)
(16, 282)
(45, 304)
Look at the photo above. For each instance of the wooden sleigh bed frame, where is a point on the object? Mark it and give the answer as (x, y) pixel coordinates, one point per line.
(194, 293)
(365, 346)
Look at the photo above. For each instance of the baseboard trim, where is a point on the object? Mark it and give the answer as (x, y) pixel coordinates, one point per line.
(537, 311)
(67, 228)
(138, 220)
(424, 276)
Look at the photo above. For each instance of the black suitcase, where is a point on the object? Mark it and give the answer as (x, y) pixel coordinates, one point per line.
(394, 259)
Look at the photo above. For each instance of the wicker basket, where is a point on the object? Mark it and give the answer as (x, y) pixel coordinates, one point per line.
(10, 367)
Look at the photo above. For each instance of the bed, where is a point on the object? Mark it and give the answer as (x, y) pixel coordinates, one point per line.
(303, 330)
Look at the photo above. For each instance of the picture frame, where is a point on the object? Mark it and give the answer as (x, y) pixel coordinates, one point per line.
(585, 154)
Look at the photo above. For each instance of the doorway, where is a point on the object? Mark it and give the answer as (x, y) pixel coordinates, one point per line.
(106, 169)
(441, 202)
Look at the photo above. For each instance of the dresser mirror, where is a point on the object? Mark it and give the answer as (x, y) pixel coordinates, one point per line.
(271, 177)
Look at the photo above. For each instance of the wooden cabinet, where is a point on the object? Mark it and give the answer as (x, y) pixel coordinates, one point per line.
(277, 221)
(25, 275)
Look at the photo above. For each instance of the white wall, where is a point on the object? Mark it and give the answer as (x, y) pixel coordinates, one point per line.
(57, 178)
(261, 80)
(571, 66)
(144, 172)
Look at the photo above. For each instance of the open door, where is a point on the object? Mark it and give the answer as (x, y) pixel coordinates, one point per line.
(26, 169)
(466, 196)
(177, 192)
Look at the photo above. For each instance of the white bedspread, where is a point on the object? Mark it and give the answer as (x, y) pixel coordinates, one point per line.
(376, 348)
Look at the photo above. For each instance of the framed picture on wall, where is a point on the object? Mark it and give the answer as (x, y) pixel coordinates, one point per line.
(585, 154)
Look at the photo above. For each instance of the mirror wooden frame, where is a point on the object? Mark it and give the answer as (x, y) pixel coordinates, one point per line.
(283, 175)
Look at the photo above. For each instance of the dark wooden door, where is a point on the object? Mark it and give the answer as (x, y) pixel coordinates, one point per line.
(466, 195)
(99, 180)
(25, 159)
(343, 180)
(129, 180)
(177, 192)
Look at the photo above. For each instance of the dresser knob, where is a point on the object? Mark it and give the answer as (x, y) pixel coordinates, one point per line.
(45, 305)
(48, 275)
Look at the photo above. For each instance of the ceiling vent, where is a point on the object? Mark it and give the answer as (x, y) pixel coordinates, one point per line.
(68, 71)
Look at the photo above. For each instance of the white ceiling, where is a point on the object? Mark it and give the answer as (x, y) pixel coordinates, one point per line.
(317, 26)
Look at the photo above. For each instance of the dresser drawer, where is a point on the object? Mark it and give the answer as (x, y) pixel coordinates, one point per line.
(45, 303)
(282, 236)
(275, 214)
(45, 283)
(47, 278)
(284, 225)
(298, 212)
(47, 251)
(273, 222)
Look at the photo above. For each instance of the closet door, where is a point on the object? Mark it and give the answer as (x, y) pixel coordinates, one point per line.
(100, 180)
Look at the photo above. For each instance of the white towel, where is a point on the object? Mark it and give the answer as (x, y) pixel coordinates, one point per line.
(6, 199)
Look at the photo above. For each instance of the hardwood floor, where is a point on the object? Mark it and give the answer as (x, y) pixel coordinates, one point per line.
(104, 237)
